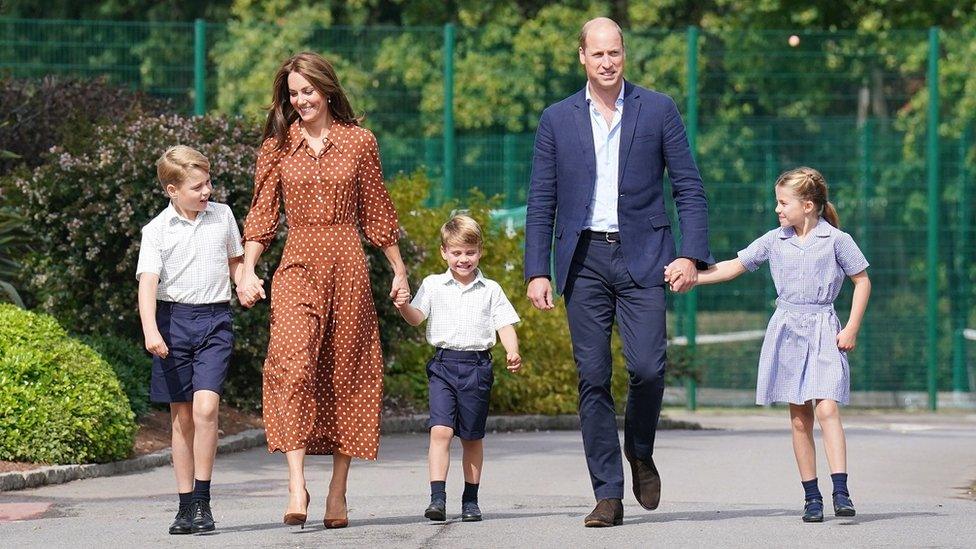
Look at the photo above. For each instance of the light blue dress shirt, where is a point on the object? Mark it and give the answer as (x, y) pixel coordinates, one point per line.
(606, 142)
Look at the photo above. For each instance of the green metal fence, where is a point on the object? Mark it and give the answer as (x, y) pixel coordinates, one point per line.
(884, 116)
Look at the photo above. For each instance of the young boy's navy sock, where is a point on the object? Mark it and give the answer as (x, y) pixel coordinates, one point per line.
(201, 490)
(840, 484)
(438, 490)
(185, 499)
(811, 490)
(470, 492)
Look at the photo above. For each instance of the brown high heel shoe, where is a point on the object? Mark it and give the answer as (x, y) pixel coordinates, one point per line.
(298, 519)
(339, 522)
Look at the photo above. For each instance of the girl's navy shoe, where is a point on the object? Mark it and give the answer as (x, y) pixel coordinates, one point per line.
(813, 510)
(843, 506)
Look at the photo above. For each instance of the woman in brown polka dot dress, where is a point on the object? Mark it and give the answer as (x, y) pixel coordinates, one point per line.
(323, 376)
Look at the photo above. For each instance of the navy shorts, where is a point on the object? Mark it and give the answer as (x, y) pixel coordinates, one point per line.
(459, 384)
(200, 339)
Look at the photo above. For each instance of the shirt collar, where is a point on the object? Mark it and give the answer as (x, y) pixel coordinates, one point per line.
(447, 279)
(170, 214)
(618, 102)
(821, 230)
(338, 136)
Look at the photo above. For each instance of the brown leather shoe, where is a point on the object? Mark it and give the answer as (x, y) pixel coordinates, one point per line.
(608, 512)
(647, 482)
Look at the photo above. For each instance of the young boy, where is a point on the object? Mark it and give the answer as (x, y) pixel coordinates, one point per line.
(187, 255)
(463, 311)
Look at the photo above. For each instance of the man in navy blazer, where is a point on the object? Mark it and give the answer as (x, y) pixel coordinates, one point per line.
(597, 195)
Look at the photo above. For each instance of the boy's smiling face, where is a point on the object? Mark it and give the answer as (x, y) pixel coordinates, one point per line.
(463, 260)
(193, 194)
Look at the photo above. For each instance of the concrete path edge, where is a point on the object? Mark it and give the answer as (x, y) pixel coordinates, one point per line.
(58, 474)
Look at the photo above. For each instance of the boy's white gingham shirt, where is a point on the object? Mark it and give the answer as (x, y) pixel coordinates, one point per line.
(190, 257)
(463, 318)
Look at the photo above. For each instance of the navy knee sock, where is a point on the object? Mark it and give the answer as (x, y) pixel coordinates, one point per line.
(201, 490)
(840, 484)
(438, 490)
(811, 490)
(470, 492)
(185, 499)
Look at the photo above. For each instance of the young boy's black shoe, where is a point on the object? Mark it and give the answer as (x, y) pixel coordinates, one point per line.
(202, 520)
(843, 506)
(437, 510)
(182, 523)
(813, 510)
(470, 512)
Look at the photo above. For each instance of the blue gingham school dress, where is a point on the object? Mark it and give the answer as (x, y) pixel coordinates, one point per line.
(800, 360)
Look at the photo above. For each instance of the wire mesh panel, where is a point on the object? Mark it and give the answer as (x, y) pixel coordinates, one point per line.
(153, 57)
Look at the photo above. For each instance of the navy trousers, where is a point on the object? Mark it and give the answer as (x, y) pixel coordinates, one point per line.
(599, 291)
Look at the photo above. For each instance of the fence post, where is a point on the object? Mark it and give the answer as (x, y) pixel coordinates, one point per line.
(932, 255)
(691, 301)
(508, 169)
(962, 262)
(199, 67)
(864, 197)
(449, 145)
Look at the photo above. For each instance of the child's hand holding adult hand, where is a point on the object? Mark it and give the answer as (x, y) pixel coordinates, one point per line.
(846, 339)
(514, 362)
(402, 298)
(250, 290)
(155, 345)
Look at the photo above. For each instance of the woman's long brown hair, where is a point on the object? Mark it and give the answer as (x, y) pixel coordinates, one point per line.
(319, 72)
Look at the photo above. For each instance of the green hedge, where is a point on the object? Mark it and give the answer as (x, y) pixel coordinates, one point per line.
(60, 402)
(131, 363)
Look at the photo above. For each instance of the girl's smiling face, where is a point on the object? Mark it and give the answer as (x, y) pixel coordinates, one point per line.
(791, 209)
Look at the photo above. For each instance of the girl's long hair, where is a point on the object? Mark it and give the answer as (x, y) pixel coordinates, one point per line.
(319, 72)
(809, 184)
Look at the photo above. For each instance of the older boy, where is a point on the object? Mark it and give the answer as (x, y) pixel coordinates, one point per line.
(187, 255)
(463, 311)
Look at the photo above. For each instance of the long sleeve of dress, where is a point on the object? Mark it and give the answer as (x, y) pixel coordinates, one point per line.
(374, 210)
(261, 223)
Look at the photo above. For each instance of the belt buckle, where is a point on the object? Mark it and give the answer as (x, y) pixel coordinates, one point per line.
(607, 237)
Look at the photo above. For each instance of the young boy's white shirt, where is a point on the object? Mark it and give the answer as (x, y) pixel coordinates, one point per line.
(463, 318)
(190, 256)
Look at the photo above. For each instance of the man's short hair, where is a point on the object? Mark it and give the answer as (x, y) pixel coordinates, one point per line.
(586, 27)
(461, 230)
(174, 165)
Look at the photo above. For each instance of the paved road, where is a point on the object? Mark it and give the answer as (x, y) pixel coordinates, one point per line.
(733, 487)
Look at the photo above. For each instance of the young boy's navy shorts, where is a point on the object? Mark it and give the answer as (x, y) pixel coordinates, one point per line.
(460, 386)
(200, 339)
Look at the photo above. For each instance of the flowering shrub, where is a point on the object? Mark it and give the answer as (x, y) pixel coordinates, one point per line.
(40, 113)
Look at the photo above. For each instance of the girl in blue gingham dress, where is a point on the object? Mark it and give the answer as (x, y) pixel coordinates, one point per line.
(804, 354)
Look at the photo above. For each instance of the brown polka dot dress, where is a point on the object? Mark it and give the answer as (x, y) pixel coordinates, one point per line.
(323, 376)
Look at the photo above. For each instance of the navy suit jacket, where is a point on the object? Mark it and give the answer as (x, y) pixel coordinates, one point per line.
(652, 138)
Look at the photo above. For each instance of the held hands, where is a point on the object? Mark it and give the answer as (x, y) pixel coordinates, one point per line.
(681, 275)
(401, 298)
(155, 345)
(847, 339)
(400, 290)
(250, 289)
(514, 361)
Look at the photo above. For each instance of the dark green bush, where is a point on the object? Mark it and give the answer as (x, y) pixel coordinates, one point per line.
(53, 111)
(131, 363)
(60, 402)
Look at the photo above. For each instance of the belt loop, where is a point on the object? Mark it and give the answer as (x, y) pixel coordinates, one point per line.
(439, 353)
